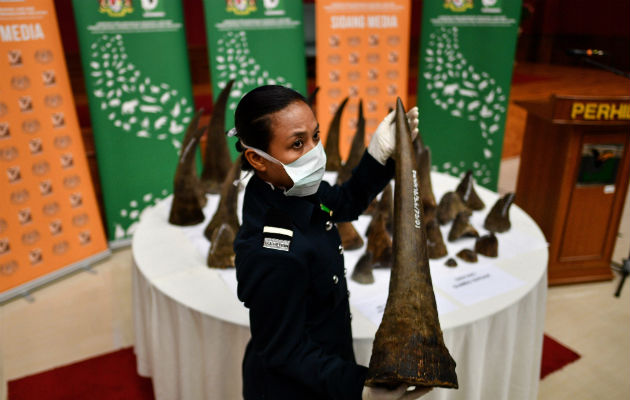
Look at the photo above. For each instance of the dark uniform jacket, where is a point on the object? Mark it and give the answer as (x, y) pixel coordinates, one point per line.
(291, 276)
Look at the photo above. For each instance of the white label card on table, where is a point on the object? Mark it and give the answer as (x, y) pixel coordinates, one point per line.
(472, 284)
(374, 307)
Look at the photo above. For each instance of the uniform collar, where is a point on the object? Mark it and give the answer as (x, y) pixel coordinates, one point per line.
(300, 209)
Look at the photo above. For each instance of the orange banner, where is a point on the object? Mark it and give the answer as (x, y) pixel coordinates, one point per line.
(49, 218)
(362, 52)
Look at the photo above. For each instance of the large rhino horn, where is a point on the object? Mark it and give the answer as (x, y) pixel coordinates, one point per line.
(187, 195)
(409, 347)
(216, 161)
(226, 211)
(333, 159)
(356, 149)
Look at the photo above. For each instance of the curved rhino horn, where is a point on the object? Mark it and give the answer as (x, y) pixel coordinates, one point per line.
(333, 159)
(356, 149)
(187, 195)
(216, 160)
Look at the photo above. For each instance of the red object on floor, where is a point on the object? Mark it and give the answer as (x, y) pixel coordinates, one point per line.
(111, 376)
(555, 356)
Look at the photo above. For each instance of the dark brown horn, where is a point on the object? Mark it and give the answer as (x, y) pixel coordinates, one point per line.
(356, 149)
(216, 161)
(488, 245)
(451, 263)
(350, 238)
(461, 227)
(362, 272)
(221, 254)
(435, 242)
(450, 205)
(226, 211)
(467, 255)
(498, 219)
(385, 207)
(379, 244)
(408, 346)
(311, 97)
(333, 159)
(466, 190)
(423, 156)
(187, 194)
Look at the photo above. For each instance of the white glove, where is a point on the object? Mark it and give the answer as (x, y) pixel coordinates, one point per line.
(400, 393)
(383, 141)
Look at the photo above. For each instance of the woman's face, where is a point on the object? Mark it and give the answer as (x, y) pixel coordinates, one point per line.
(294, 132)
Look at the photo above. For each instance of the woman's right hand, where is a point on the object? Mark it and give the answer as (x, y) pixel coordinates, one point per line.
(400, 393)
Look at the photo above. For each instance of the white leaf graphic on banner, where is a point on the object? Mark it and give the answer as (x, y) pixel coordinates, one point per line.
(234, 61)
(132, 100)
(130, 216)
(457, 88)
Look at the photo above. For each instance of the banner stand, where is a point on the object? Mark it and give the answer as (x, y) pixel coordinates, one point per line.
(26, 289)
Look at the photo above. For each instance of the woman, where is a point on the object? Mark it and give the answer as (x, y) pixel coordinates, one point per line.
(289, 260)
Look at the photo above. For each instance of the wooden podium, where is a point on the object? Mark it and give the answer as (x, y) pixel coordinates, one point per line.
(573, 179)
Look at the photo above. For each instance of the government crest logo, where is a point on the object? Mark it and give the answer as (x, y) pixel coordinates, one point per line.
(240, 7)
(115, 8)
(458, 5)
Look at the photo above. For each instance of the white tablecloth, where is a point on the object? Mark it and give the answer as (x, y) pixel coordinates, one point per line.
(191, 330)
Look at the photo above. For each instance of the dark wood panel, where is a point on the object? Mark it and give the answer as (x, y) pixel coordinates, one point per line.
(588, 220)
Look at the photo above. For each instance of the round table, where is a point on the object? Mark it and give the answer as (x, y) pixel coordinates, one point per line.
(191, 330)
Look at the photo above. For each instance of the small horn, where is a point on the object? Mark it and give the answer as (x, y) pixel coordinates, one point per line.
(187, 194)
(333, 159)
(408, 346)
(451, 263)
(467, 255)
(435, 242)
(350, 238)
(216, 160)
(466, 190)
(461, 227)
(498, 219)
(226, 211)
(363, 270)
(487, 245)
(450, 205)
(221, 254)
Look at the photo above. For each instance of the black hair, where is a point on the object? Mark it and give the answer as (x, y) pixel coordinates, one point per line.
(251, 118)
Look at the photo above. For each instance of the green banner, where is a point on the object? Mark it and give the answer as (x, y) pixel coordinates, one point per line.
(255, 43)
(466, 60)
(137, 79)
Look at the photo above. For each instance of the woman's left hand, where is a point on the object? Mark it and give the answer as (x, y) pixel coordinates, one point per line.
(383, 141)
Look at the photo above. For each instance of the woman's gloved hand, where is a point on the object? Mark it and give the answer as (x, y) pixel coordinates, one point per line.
(383, 141)
(400, 393)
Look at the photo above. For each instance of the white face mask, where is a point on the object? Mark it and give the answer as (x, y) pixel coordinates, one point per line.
(306, 172)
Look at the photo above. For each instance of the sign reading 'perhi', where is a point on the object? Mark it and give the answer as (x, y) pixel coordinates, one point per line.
(600, 111)
(49, 218)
